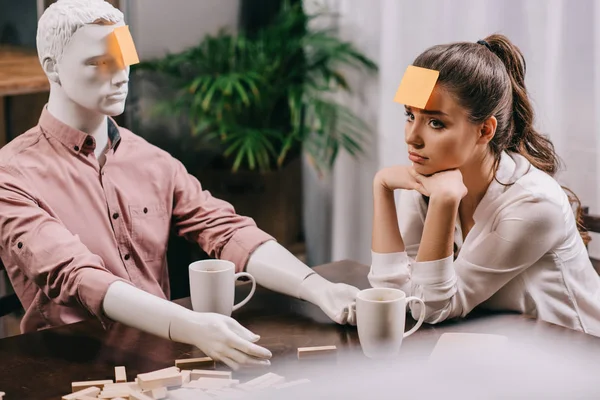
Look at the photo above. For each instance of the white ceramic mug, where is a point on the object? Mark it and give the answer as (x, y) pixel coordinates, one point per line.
(380, 319)
(212, 286)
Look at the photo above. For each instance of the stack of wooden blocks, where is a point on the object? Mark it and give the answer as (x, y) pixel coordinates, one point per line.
(193, 378)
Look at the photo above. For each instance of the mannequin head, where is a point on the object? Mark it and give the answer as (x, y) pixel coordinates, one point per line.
(73, 47)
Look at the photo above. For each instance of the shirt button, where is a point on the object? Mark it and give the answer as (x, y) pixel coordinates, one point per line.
(126, 257)
(20, 245)
(89, 141)
(145, 210)
(115, 215)
(76, 148)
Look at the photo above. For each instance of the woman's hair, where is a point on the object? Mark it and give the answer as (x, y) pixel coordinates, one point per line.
(487, 79)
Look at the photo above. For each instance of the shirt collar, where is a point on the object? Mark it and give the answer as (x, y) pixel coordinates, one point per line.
(74, 139)
(511, 167)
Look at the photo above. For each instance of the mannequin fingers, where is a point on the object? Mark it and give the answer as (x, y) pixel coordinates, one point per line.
(351, 315)
(243, 359)
(243, 331)
(244, 346)
(229, 362)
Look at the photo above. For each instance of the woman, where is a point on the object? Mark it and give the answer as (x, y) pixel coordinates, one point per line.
(481, 220)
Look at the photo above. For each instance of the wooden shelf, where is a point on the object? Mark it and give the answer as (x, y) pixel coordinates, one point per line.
(21, 72)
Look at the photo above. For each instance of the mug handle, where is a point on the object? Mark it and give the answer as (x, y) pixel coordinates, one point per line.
(247, 299)
(421, 317)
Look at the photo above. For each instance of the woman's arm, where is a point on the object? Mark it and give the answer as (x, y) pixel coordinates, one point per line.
(390, 264)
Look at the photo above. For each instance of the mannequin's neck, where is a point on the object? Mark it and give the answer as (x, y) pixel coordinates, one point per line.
(70, 113)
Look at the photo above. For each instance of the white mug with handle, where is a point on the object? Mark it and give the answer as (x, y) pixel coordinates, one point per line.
(212, 286)
(381, 318)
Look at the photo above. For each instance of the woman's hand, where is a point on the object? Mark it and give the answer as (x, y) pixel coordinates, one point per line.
(445, 184)
(398, 177)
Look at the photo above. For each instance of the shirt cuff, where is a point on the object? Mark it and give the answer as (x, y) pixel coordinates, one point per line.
(390, 270)
(428, 273)
(91, 290)
(242, 244)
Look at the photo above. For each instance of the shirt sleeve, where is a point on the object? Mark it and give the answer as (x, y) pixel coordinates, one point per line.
(394, 270)
(213, 223)
(43, 249)
(521, 234)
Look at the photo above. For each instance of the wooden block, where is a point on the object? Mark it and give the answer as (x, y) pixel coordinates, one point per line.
(139, 396)
(111, 394)
(158, 373)
(156, 394)
(187, 375)
(75, 386)
(87, 398)
(120, 374)
(122, 385)
(173, 380)
(211, 383)
(2, 394)
(195, 363)
(203, 373)
(263, 381)
(306, 352)
(90, 391)
(291, 384)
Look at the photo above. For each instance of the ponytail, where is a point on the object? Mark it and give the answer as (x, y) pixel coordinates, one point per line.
(525, 140)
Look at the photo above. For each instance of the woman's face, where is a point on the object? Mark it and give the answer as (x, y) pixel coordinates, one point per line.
(440, 137)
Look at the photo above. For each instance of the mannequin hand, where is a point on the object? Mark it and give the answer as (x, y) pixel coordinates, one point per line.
(219, 337)
(335, 299)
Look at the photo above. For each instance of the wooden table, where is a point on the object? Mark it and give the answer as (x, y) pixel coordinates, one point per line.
(42, 365)
(21, 72)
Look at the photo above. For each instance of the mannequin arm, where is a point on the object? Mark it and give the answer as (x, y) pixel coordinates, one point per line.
(275, 268)
(220, 337)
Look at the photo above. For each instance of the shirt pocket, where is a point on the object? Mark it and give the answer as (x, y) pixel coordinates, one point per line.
(149, 231)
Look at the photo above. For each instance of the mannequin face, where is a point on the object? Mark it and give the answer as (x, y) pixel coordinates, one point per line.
(89, 75)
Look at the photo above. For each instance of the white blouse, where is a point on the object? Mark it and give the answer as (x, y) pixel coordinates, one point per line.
(523, 254)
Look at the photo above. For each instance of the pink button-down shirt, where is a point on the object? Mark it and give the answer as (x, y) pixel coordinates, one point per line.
(70, 228)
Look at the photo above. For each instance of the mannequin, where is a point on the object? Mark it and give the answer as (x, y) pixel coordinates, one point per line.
(84, 91)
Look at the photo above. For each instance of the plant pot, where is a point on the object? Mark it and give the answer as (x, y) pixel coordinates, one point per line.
(273, 199)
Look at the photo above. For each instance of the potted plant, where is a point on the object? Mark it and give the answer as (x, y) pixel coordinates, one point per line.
(254, 102)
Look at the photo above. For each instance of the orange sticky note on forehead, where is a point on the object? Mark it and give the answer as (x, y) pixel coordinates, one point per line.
(416, 86)
(121, 46)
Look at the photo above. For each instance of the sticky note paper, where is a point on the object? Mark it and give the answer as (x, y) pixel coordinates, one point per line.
(121, 46)
(416, 86)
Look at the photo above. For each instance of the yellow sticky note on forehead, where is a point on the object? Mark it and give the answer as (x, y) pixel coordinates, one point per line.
(121, 46)
(416, 86)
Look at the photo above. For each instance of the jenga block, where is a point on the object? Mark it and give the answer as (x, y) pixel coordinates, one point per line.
(158, 373)
(75, 386)
(173, 380)
(264, 381)
(156, 394)
(111, 394)
(2, 394)
(87, 398)
(291, 384)
(122, 385)
(203, 373)
(90, 391)
(139, 396)
(187, 375)
(195, 363)
(211, 383)
(306, 352)
(120, 374)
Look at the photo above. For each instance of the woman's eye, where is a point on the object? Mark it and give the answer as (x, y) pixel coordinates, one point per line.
(409, 116)
(435, 124)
